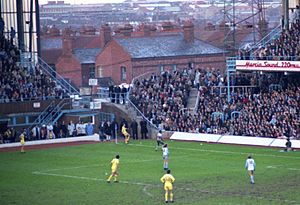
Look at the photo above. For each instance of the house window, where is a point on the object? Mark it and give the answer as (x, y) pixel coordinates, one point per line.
(123, 73)
(191, 65)
(100, 72)
(174, 67)
(161, 68)
(92, 71)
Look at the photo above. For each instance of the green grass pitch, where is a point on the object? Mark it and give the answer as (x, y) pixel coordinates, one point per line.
(205, 174)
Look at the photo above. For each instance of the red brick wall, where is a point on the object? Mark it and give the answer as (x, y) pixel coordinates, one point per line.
(69, 67)
(152, 65)
(111, 59)
(114, 56)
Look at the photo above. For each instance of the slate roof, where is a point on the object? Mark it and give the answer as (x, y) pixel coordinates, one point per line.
(51, 43)
(165, 46)
(86, 55)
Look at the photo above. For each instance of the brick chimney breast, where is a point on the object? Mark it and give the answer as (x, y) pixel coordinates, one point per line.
(67, 42)
(105, 35)
(53, 31)
(188, 31)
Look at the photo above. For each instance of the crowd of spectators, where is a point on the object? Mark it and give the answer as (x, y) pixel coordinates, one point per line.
(18, 83)
(264, 110)
(163, 96)
(285, 47)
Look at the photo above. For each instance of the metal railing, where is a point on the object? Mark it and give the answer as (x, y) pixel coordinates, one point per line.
(197, 102)
(267, 38)
(57, 77)
(275, 58)
(54, 113)
(143, 76)
(244, 89)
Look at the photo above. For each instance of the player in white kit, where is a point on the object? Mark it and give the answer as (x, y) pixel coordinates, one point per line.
(250, 166)
(165, 151)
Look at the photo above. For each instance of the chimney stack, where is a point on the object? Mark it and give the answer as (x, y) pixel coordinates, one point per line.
(146, 30)
(53, 31)
(67, 42)
(167, 26)
(188, 31)
(126, 30)
(105, 35)
(87, 30)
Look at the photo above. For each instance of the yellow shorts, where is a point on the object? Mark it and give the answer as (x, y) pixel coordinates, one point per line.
(168, 187)
(113, 170)
(22, 142)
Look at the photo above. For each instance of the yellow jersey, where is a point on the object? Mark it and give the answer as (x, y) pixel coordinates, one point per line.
(114, 164)
(22, 139)
(124, 130)
(167, 179)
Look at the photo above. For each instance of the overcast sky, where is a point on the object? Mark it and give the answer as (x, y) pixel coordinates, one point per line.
(85, 1)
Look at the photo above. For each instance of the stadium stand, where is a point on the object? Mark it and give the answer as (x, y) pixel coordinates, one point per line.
(18, 83)
(286, 47)
(260, 112)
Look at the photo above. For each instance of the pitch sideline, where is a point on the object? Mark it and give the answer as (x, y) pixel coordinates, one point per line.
(224, 152)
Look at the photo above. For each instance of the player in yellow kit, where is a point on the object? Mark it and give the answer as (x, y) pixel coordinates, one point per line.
(114, 169)
(22, 141)
(125, 133)
(168, 181)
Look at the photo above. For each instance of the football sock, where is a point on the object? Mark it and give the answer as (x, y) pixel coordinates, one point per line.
(252, 178)
(116, 179)
(166, 196)
(171, 196)
(109, 178)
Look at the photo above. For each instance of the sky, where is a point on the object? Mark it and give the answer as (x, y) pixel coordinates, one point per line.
(90, 1)
(84, 1)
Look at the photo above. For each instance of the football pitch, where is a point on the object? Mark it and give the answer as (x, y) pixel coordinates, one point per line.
(205, 174)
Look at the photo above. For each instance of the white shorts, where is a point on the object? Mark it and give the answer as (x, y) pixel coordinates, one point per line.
(165, 156)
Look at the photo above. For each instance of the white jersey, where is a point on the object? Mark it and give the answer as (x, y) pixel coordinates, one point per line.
(250, 164)
(159, 137)
(165, 151)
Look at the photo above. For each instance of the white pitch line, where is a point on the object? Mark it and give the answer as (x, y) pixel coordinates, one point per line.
(223, 152)
(100, 165)
(148, 185)
(91, 178)
(282, 167)
(146, 192)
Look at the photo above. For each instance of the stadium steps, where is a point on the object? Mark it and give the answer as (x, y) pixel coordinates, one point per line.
(133, 114)
(192, 98)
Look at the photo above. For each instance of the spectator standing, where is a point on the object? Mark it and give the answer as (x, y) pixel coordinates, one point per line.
(134, 130)
(63, 129)
(117, 93)
(89, 129)
(56, 130)
(144, 130)
(102, 131)
(71, 129)
(124, 94)
(107, 130)
(35, 132)
(1, 26)
(50, 133)
(12, 35)
(80, 129)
